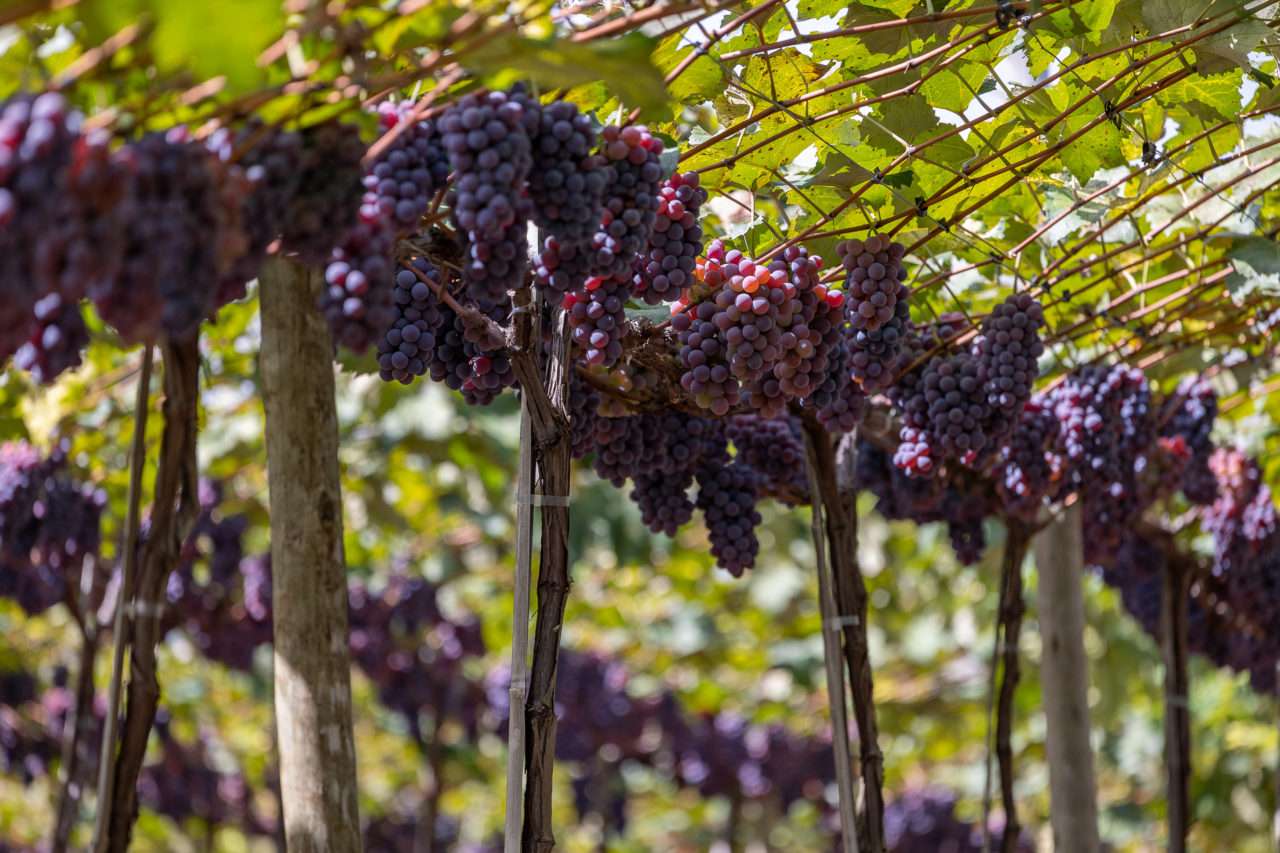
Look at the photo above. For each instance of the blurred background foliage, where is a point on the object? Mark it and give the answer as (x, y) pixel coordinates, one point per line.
(428, 488)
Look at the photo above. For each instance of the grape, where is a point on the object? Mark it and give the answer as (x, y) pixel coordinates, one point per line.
(408, 172)
(1106, 424)
(567, 180)
(923, 820)
(598, 319)
(957, 412)
(182, 235)
(873, 277)
(487, 137)
(583, 403)
(271, 160)
(666, 270)
(1028, 468)
(630, 202)
(1190, 413)
(406, 349)
(59, 225)
(839, 402)
(873, 352)
(663, 500)
(56, 341)
(727, 497)
(1007, 350)
(358, 299)
(327, 197)
(774, 448)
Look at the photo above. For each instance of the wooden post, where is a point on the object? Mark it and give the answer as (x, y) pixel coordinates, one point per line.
(519, 636)
(1177, 716)
(840, 506)
(1064, 676)
(831, 659)
(309, 586)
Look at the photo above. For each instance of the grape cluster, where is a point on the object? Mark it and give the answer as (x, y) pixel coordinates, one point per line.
(666, 270)
(630, 201)
(480, 372)
(568, 178)
(1008, 349)
(405, 176)
(56, 340)
(873, 280)
(1246, 535)
(360, 297)
(49, 528)
(182, 235)
(923, 820)
(407, 348)
(838, 401)
(326, 199)
(774, 447)
(727, 496)
(873, 353)
(765, 333)
(1028, 467)
(957, 414)
(1106, 425)
(1190, 413)
(487, 137)
(598, 319)
(40, 150)
(271, 160)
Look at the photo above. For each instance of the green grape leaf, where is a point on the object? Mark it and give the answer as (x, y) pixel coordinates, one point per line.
(625, 65)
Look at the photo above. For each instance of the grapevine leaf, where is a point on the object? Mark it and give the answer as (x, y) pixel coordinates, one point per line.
(625, 65)
(226, 44)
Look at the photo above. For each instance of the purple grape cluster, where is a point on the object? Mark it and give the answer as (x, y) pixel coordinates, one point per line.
(358, 299)
(774, 447)
(630, 201)
(49, 528)
(765, 334)
(1246, 536)
(487, 137)
(271, 161)
(568, 178)
(923, 820)
(407, 349)
(405, 176)
(873, 280)
(56, 341)
(478, 371)
(597, 318)
(1106, 426)
(839, 402)
(873, 353)
(1008, 350)
(957, 412)
(1028, 468)
(326, 200)
(727, 496)
(666, 271)
(182, 236)
(1190, 413)
(48, 174)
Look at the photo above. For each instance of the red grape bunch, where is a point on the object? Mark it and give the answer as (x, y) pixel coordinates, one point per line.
(487, 137)
(1008, 349)
(873, 277)
(183, 234)
(666, 270)
(631, 199)
(326, 199)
